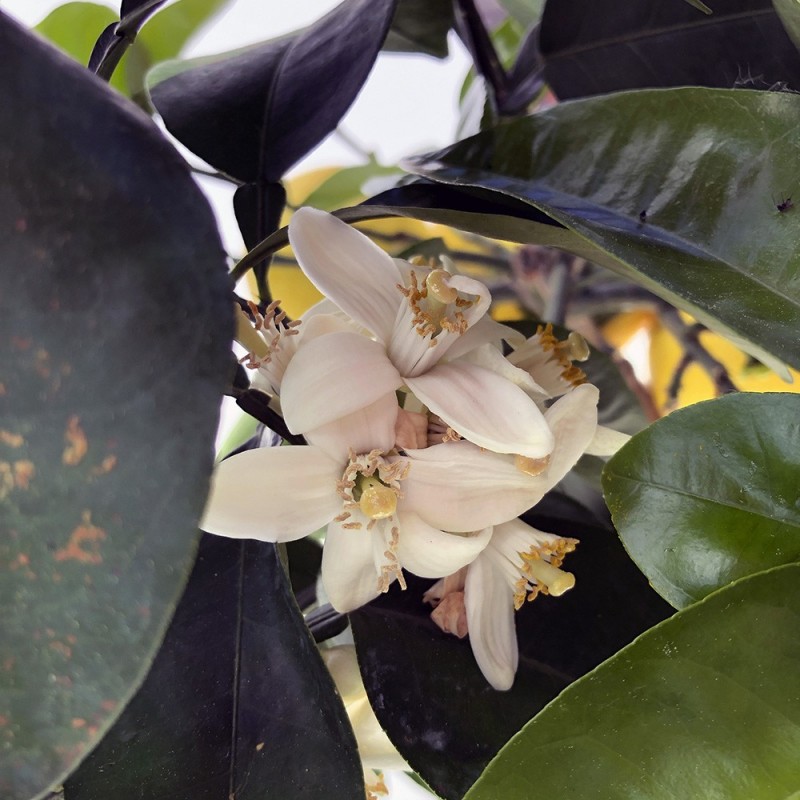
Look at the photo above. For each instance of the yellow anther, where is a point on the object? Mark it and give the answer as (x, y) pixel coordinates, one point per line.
(557, 581)
(378, 501)
(531, 466)
(439, 286)
(578, 349)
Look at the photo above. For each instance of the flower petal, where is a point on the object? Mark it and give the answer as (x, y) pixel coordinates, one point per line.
(349, 573)
(347, 268)
(459, 487)
(369, 428)
(332, 376)
(485, 408)
(275, 494)
(573, 420)
(428, 552)
(490, 619)
(606, 442)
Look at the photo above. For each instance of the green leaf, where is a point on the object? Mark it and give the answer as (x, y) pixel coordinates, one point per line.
(346, 187)
(704, 705)
(238, 701)
(430, 696)
(704, 164)
(74, 27)
(117, 325)
(789, 14)
(710, 493)
(420, 26)
(285, 95)
(599, 48)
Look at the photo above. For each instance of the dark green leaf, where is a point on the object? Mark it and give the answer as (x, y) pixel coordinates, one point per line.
(603, 46)
(420, 26)
(710, 493)
(789, 14)
(705, 165)
(346, 187)
(430, 696)
(116, 325)
(238, 702)
(705, 705)
(256, 112)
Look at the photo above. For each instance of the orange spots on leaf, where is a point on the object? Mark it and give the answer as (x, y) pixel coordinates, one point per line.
(83, 544)
(4, 720)
(105, 466)
(20, 225)
(77, 722)
(59, 647)
(24, 471)
(11, 439)
(108, 705)
(18, 343)
(77, 445)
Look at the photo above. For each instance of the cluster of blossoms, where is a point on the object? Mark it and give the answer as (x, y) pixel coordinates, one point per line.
(424, 442)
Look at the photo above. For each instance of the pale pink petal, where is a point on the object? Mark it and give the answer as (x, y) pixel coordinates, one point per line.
(275, 494)
(347, 268)
(332, 376)
(485, 408)
(490, 619)
(459, 487)
(369, 428)
(349, 572)
(428, 552)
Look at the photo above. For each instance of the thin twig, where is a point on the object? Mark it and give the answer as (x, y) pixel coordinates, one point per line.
(688, 337)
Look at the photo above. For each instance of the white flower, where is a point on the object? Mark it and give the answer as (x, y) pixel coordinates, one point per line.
(519, 563)
(347, 480)
(418, 317)
(519, 560)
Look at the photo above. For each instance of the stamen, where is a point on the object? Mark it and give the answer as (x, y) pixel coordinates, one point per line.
(578, 349)
(531, 466)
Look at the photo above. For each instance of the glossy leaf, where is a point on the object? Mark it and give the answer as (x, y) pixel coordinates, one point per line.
(420, 26)
(710, 493)
(605, 47)
(704, 165)
(704, 705)
(430, 696)
(789, 15)
(109, 404)
(238, 702)
(286, 95)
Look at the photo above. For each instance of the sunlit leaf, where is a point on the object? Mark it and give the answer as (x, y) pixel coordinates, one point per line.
(710, 493)
(705, 705)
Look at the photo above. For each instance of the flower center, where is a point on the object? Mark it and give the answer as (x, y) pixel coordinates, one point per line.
(539, 571)
(564, 353)
(436, 306)
(377, 501)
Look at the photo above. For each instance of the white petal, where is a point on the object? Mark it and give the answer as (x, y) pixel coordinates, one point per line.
(489, 357)
(347, 268)
(332, 376)
(490, 619)
(573, 420)
(275, 494)
(369, 428)
(485, 408)
(428, 552)
(349, 573)
(606, 442)
(458, 487)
